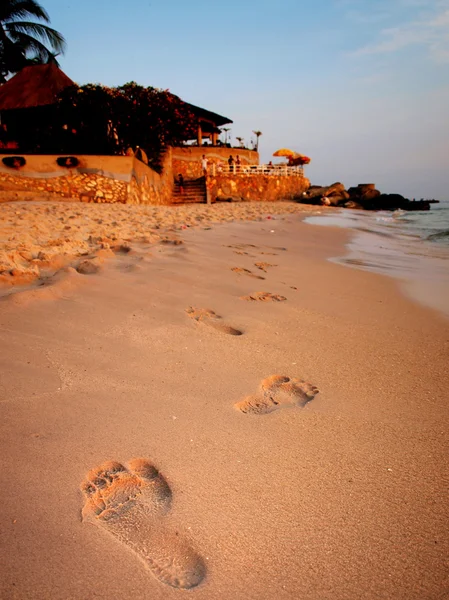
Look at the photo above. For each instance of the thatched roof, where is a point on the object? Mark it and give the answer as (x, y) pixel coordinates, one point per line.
(37, 85)
(207, 115)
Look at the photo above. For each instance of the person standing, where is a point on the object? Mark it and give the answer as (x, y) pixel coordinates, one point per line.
(237, 163)
(180, 182)
(231, 162)
(204, 162)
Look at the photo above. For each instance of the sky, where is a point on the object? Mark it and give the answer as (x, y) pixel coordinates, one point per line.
(360, 86)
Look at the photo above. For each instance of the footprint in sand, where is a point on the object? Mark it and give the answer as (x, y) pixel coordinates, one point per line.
(88, 267)
(278, 391)
(130, 504)
(241, 246)
(242, 271)
(171, 241)
(264, 297)
(209, 317)
(263, 266)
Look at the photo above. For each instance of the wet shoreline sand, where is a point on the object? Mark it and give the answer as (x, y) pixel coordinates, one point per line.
(266, 487)
(386, 244)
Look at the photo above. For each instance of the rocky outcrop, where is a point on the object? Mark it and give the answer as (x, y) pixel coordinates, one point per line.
(364, 196)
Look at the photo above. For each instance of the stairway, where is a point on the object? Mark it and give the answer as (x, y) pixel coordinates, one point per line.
(194, 191)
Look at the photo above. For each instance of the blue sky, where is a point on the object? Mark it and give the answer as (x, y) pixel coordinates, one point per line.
(361, 86)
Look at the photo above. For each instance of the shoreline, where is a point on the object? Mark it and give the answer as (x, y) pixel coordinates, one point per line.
(419, 267)
(343, 498)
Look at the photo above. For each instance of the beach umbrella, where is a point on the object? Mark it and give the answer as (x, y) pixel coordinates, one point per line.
(300, 159)
(284, 152)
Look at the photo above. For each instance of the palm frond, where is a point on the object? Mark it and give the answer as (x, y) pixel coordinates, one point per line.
(32, 45)
(13, 10)
(43, 32)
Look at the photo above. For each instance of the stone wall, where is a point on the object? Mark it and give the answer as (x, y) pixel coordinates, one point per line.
(187, 159)
(252, 188)
(148, 187)
(109, 179)
(123, 179)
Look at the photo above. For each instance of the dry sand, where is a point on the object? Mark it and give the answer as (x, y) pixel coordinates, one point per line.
(39, 238)
(246, 486)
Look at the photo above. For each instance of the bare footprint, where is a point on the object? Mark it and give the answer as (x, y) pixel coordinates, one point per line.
(263, 266)
(241, 246)
(171, 241)
(130, 504)
(209, 317)
(242, 271)
(278, 391)
(88, 267)
(264, 297)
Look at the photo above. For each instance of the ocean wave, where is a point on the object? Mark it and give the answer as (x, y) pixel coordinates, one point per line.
(375, 232)
(439, 235)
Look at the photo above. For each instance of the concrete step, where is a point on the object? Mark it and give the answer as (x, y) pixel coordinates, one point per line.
(189, 199)
(189, 188)
(189, 193)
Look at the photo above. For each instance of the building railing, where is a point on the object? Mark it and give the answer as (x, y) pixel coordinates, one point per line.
(277, 170)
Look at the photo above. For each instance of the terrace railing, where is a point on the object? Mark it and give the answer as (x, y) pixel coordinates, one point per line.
(276, 170)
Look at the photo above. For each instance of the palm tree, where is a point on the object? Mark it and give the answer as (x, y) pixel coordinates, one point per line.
(257, 134)
(25, 42)
(240, 141)
(226, 129)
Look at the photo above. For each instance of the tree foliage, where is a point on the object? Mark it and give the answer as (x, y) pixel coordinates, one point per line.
(24, 41)
(95, 119)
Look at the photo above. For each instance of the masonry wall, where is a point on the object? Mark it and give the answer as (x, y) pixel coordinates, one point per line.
(112, 179)
(123, 179)
(187, 159)
(252, 188)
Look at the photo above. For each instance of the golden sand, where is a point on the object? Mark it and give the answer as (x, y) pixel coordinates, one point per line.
(38, 238)
(159, 432)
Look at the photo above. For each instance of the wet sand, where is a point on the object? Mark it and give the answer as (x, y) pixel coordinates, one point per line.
(246, 486)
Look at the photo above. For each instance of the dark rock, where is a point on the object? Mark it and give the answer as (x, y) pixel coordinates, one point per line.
(88, 267)
(332, 201)
(365, 191)
(352, 204)
(384, 202)
(363, 196)
(366, 187)
(228, 199)
(335, 189)
(315, 192)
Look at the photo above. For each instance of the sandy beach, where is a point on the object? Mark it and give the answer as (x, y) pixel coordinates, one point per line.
(210, 408)
(39, 238)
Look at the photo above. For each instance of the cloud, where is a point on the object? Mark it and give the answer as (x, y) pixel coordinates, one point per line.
(427, 31)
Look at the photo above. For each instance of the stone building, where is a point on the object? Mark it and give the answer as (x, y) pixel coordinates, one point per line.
(28, 99)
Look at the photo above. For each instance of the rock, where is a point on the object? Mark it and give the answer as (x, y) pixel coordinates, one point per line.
(420, 204)
(352, 204)
(335, 189)
(366, 187)
(367, 191)
(228, 199)
(315, 192)
(384, 202)
(88, 267)
(335, 194)
(331, 201)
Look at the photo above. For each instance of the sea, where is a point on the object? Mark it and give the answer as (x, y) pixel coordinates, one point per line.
(412, 247)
